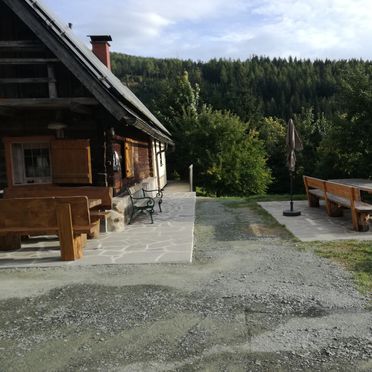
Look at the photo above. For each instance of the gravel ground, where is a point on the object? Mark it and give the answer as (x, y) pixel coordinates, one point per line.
(251, 301)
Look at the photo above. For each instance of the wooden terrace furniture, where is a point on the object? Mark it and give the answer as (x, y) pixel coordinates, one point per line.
(315, 190)
(99, 211)
(338, 196)
(67, 217)
(92, 192)
(142, 203)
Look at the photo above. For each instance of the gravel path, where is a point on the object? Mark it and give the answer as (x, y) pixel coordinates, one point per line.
(251, 301)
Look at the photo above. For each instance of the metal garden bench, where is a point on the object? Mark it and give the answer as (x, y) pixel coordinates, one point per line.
(142, 201)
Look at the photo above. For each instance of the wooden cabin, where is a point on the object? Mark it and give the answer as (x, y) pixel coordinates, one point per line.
(65, 119)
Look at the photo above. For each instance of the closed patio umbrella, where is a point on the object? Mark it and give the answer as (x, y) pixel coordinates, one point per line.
(294, 143)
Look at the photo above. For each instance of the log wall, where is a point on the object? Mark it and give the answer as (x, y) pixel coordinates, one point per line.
(52, 80)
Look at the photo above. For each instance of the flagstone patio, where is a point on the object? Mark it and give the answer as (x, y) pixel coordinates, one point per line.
(314, 224)
(169, 239)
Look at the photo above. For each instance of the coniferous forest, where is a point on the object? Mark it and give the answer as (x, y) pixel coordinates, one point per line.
(229, 117)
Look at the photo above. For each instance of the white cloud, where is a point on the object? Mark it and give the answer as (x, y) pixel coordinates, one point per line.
(202, 29)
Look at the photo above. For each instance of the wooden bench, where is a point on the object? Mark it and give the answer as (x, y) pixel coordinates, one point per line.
(67, 217)
(340, 196)
(100, 212)
(337, 197)
(315, 190)
(141, 203)
(91, 192)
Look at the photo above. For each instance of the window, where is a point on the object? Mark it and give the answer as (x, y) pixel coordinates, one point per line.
(43, 159)
(137, 159)
(31, 163)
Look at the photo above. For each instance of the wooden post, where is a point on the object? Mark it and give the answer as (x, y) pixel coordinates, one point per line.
(79, 242)
(10, 242)
(95, 231)
(52, 81)
(69, 244)
(362, 221)
(313, 200)
(334, 210)
(191, 177)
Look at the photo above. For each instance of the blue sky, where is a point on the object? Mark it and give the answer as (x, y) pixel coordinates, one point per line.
(204, 29)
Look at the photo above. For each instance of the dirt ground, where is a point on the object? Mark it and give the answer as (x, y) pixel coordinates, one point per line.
(251, 301)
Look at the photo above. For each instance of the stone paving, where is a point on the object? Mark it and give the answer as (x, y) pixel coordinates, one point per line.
(314, 224)
(169, 239)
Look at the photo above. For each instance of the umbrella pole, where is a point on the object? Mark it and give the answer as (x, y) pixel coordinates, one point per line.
(291, 212)
(291, 189)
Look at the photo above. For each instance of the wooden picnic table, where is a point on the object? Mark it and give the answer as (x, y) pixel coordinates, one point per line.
(94, 203)
(360, 183)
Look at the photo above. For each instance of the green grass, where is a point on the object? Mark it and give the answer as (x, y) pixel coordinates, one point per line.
(265, 217)
(256, 198)
(355, 256)
(275, 197)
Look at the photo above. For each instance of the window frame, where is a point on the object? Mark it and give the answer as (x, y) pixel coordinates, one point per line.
(8, 147)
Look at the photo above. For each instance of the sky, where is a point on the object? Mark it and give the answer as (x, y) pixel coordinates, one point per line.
(237, 29)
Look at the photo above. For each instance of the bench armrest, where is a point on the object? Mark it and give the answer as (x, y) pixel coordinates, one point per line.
(150, 201)
(159, 193)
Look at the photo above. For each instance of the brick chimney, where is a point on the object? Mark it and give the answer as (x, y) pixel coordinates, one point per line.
(101, 48)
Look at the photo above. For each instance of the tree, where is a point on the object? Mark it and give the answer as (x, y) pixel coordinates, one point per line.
(228, 159)
(346, 150)
(272, 132)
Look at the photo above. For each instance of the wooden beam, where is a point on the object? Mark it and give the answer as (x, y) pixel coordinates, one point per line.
(52, 81)
(27, 61)
(21, 45)
(6, 111)
(60, 47)
(10, 242)
(38, 80)
(47, 102)
(80, 109)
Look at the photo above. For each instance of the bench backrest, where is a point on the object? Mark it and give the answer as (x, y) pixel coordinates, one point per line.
(92, 192)
(343, 191)
(40, 213)
(314, 183)
(135, 192)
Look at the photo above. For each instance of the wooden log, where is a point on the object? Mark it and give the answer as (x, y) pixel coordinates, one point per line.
(94, 234)
(313, 201)
(6, 111)
(10, 242)
(21, 45)
(47, 102)
(34, 80)
(362, 221)
(27, 61)
(333, 209)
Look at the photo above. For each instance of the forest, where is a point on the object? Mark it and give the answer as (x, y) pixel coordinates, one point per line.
(229, 117)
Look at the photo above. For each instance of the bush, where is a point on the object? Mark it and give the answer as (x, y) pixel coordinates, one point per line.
(228, 159)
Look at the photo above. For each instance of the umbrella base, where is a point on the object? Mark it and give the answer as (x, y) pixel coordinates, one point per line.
(289, 213)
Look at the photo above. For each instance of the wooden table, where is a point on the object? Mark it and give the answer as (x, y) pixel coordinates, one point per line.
(359, 183)
(94, 203)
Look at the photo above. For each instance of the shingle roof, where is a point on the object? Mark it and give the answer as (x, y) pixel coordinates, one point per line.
(108, 89)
